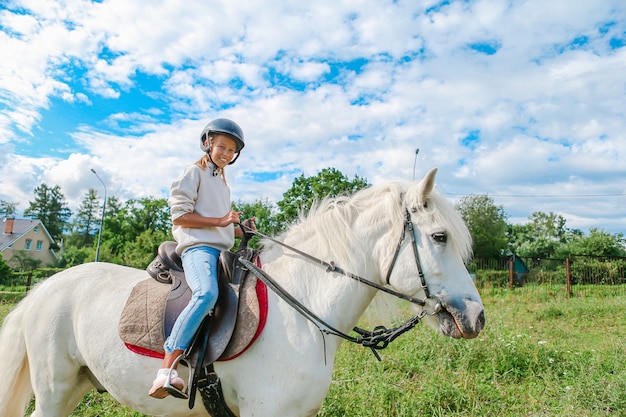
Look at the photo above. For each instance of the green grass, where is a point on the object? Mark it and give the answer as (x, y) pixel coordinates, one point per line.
(539, 355)
(539, 358)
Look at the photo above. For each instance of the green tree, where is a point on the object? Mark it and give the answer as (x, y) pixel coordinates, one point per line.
(86, 222)
(8, 209)
(486, 223)
(113, 236)
(124, 224)
(543, 236)
(597, 243)
(73, 255)
(51, 208)
(142, 250)
(148, 214)
(304, 191)
(6, 273)
(22, 261)
(264, 212)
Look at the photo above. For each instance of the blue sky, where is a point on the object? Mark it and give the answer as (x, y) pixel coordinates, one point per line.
(524, 101)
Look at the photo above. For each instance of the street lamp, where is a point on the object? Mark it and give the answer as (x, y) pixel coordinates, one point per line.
(104, 205)
(417, 150)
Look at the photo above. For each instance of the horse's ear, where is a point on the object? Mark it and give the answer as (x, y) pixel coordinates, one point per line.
(426, 187)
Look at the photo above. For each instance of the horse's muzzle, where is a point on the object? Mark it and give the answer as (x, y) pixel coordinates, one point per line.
(463, 319)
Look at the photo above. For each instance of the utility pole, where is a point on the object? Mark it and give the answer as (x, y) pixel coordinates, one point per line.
(417, 150)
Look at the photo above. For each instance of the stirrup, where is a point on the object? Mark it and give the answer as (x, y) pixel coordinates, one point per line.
(172, 390)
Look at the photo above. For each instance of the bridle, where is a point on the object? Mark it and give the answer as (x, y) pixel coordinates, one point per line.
(380, 337)
(408, 227)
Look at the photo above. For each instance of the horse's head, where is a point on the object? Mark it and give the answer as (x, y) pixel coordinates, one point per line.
(405, 236)
(430, 263)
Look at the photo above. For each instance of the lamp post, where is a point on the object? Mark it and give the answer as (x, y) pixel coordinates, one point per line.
(102, 217)
(417, 150)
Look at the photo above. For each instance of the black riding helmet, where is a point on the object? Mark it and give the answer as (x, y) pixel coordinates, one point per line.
(225, 126)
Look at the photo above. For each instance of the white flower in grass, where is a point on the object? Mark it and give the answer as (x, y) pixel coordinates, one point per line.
(541, 342)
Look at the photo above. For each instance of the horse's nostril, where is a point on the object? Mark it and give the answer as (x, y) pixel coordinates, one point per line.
(480, 324)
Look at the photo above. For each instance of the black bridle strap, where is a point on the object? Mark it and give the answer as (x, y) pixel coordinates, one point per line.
(331, 267)
(408, 227)
(377, 339)
(397, 252)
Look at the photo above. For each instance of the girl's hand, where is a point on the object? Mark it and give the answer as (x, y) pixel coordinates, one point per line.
(249, 223)
(231, 217)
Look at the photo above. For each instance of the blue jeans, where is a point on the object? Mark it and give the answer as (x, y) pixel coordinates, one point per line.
(200, 265)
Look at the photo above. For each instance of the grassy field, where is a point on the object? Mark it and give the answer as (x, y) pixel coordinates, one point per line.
(539, 355)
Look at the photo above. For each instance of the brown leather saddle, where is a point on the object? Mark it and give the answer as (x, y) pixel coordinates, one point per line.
(167, 268)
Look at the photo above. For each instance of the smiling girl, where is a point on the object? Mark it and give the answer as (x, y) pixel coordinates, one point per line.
(203, 226)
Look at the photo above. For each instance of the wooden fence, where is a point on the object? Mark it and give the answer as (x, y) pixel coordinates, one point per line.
(577, 275)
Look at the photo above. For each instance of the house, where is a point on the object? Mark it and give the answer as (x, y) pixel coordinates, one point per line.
(29, 235)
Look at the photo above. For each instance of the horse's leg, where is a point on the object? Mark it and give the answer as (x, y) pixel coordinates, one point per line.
(55, 359)
(15, 388)
(61, 401)
(58, 384)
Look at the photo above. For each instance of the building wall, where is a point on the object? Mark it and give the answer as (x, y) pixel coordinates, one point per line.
(35, 235)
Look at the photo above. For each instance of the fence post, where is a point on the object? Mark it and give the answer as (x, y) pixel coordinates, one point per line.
(29, 280)
(568, 277)
(511, 273)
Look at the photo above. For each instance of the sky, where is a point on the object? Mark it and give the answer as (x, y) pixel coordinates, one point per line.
(523, 101)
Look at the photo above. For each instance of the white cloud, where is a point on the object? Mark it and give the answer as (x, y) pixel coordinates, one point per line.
(353, 85)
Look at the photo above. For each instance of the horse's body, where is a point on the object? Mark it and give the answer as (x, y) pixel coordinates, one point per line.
(63, 336)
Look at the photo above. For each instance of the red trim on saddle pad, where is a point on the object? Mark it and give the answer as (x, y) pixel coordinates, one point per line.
(261, 293)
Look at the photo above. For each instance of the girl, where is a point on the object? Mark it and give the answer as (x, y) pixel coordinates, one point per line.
(203, 226)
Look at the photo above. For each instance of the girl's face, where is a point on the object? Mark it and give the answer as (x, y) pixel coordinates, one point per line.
(223, 150)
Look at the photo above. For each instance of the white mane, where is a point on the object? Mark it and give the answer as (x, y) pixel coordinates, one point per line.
(331, 227)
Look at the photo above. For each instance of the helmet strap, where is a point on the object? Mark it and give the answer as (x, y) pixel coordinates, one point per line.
(234, 159)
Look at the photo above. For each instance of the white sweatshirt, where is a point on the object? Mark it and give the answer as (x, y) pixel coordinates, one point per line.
(199, 191)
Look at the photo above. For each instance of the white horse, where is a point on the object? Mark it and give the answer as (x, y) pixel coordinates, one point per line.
(67, 327)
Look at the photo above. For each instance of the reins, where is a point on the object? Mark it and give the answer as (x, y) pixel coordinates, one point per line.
(377, 339)
(380, 337)
(332, 267)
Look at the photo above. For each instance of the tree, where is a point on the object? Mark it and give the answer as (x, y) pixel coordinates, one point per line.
(86, 222)
(141, 251)
(6, 274)
(22, 261)
(486, 223)
(123, 225)
(7, 209)
(597, 243)
(113, 237)
(304, 191)
(148, 214)
(51, 208)
(264, 212)
(73, 255)
(542, 236)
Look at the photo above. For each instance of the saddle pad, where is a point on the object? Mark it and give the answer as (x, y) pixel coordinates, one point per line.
(141, 323)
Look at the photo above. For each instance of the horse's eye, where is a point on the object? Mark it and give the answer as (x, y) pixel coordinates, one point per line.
(440, 237)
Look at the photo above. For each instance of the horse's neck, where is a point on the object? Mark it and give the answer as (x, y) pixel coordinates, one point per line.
(336, 299)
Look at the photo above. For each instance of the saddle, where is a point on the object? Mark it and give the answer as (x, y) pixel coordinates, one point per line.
(237, 320)
(167, 268)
